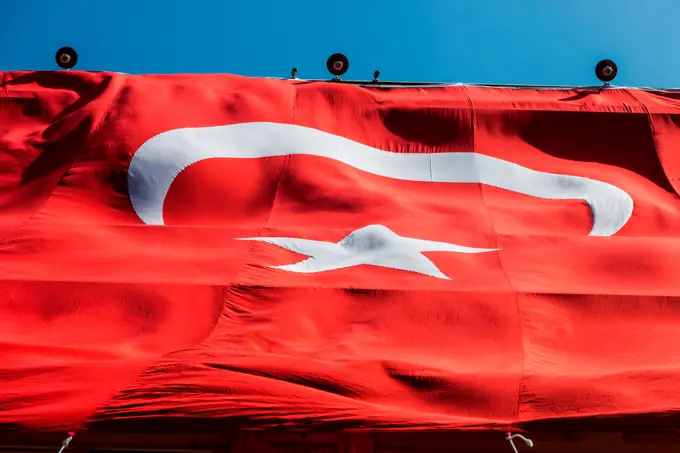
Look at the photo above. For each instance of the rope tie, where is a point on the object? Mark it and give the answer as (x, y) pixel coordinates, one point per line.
(511, 438)
(66, 441)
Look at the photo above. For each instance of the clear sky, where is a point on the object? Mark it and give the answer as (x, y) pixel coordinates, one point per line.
(471, 41)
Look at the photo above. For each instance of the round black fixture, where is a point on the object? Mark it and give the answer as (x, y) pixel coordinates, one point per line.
(606, 70)
(337, 64)
(66, 58)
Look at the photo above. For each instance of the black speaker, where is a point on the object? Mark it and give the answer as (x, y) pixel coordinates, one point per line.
(337, 64)
(606, 70)
(66, 58)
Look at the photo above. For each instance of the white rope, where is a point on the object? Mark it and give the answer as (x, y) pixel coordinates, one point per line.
(510, 438)
(66, 441)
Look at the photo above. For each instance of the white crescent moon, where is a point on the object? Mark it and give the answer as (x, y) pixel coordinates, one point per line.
(162, 158)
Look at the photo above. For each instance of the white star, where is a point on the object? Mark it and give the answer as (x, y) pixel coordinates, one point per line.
(374, 245)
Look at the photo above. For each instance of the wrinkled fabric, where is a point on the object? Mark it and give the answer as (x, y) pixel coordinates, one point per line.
(105, 316)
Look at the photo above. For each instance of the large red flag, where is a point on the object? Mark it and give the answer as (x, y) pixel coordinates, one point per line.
(290, 253)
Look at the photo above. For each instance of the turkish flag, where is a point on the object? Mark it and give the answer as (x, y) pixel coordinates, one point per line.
(289, 253)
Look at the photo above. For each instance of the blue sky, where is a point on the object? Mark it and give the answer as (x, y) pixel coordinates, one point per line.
(472, 41)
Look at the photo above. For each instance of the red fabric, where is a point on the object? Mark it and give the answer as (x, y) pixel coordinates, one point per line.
(104, 318)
